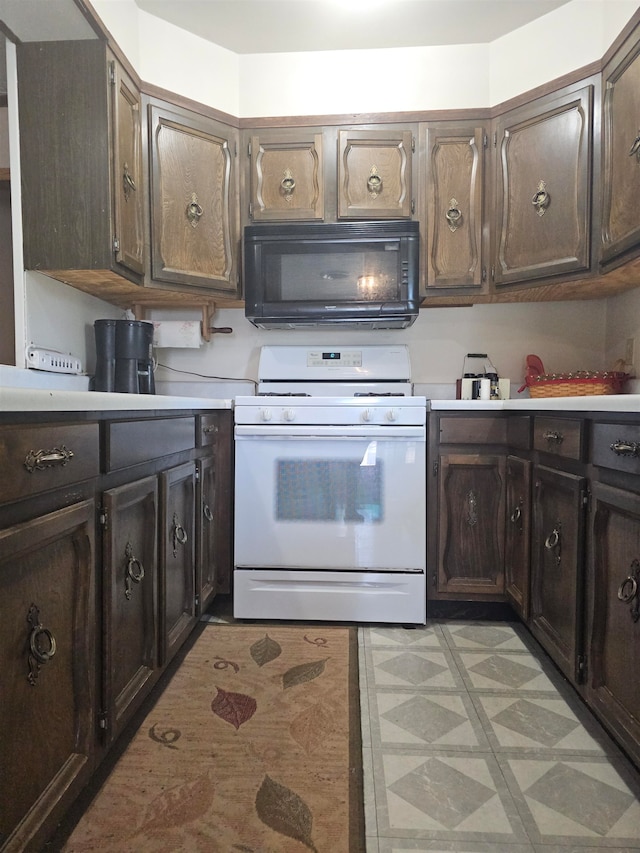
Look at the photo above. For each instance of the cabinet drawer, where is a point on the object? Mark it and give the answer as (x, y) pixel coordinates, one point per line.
(209, 427)
(473, 430)
(617, 446)
(36, 459)
(134, 442)
(560, 436)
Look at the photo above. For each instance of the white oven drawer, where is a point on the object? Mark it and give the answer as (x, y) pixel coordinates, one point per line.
(330, 596)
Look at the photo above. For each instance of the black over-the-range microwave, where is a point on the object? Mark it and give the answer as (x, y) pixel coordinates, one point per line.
(346, 274)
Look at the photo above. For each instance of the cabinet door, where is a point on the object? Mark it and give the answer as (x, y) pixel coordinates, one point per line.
(206, 539)
(287, 180)
(614, 643)
(557, 570)
(374, 174)
(130, 599)
(129, 190)
(177, 557)
(543, 188)
(453, 222)
(517, 534)
(193, 213)
(47, 661)
(471, 524)
(621, 152)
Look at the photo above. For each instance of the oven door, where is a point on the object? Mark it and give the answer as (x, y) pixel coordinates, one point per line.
(330, 498)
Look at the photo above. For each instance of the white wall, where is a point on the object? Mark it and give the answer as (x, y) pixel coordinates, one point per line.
(566, 335)
(623, 322)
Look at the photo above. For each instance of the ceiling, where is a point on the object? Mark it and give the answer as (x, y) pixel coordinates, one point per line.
(285, 26)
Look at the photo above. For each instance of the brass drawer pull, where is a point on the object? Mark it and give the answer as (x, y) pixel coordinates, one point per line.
(135, 571)
(628, 590)
(208, 430)
(626, 448)
(287, 184)
(635, 148)
(553, 542)
(128, 184)
(541, 199)
(453, 215)
(38, 460)
(552, 436)
(39, 653)
(472, 508)
(194, 211)
(179, 535)
(374, 183)
(206, 511)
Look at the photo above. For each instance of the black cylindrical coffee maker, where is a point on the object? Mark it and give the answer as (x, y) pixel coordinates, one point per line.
(124, 359)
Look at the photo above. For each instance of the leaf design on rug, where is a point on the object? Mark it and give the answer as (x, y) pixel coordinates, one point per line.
(311, 728)
(234, 708)
(282, 810)
(303, 672)
(167, 738)
(182, 804)
(266, 650)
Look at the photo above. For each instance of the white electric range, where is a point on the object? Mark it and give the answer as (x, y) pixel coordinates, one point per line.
(330, 491)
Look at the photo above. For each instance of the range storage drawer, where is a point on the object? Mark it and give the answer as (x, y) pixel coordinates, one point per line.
(617, 446)
(134, 442)
(35, 459)
(472, 430)
(560, 436)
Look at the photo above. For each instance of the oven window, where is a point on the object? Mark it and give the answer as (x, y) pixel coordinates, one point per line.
(329, 490)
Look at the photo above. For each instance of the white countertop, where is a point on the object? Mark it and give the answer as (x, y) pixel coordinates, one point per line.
(57, 400)
(593, 403)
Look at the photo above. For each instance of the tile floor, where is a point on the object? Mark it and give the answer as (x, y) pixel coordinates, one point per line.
(473, 742)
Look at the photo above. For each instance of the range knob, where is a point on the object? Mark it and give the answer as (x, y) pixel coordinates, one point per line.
(392, 415)
(288, 414)
(265, 414)
(367, 415)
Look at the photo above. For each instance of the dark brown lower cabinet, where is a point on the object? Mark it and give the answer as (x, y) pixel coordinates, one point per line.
(48, 672)
(177, 557)
(130, 599)
(518, 534)
(613, 682)
(471, 524)
(557, 570)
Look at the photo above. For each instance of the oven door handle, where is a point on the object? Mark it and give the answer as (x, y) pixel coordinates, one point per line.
(333, 433)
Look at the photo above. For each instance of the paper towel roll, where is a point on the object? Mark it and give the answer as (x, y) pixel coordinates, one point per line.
(176, 333)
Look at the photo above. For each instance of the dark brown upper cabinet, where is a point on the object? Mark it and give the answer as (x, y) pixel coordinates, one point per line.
(287, 175)
(83, 188)
(452, 205)
(193, 199)
(374, 174)
(621, 152)
(543, 188)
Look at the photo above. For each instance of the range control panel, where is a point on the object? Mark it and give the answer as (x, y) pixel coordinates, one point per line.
(322, 358)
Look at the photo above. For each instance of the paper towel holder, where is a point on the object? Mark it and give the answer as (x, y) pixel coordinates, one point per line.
(207, 307)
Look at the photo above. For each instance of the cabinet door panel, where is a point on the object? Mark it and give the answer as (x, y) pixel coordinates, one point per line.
(192, 218)
(206, 545)
(454, 207)
(621, 155)
(287, 179)
(177, 557)
(471, 524)
(557, 571)
(517, 534)
(614, 659)
(374, 174)
(130, 583)
(47, 707)
(543, 189)
(129, 187)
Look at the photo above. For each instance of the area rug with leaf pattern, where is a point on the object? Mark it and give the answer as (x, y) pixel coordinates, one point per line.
(254, 747)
